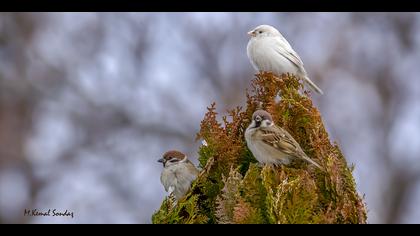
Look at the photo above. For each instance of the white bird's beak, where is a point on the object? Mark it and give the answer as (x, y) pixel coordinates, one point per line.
(251, 33)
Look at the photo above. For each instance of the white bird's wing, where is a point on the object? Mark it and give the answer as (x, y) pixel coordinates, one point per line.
(282, 47)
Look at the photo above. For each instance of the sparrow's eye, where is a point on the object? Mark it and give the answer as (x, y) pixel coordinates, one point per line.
(173, 160)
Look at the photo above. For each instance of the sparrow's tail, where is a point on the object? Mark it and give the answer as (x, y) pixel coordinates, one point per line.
(312, 162)
(313, 85)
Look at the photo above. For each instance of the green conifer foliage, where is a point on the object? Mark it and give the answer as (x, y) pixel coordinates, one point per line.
(233, 188)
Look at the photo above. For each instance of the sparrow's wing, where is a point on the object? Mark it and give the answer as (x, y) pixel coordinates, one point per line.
(281, 140)
(192, 168)
(282, 47)
(186, 172)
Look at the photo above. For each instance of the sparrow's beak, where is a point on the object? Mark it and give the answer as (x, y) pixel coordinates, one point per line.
(251, 33)
(161, 160)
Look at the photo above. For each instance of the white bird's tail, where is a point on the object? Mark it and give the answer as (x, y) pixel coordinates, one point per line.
(313, 85)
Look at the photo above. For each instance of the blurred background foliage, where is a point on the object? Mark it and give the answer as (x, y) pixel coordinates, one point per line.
(90, 101)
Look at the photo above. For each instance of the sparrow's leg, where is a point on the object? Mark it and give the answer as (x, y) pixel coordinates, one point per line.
(172, 200)
(174, 203)
(171, 190)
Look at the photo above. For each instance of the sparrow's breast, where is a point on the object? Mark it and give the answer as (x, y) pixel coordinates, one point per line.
(180, 177)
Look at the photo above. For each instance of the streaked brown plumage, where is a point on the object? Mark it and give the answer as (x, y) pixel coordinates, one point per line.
(271, 144)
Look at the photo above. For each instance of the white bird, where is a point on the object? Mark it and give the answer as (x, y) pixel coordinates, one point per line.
(269, 51)
(270, 144)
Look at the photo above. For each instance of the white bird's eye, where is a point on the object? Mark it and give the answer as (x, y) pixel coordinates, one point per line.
(260, 32)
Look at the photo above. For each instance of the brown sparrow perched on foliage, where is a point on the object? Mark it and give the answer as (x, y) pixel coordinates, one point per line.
(268, 51)
(271, 144)
(178, 173)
